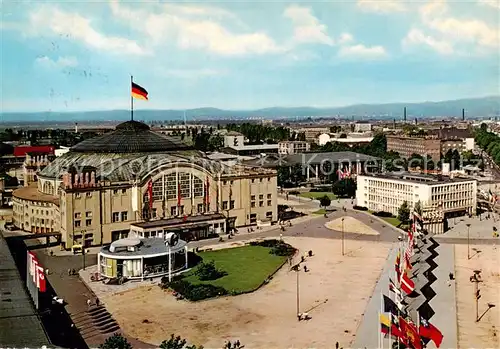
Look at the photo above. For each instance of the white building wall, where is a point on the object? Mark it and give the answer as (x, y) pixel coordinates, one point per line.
(469, 143)
(387, 194)
(234, 141)
(324, 138)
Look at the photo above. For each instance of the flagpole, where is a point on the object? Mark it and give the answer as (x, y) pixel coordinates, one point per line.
(380, 338)
(131, 99)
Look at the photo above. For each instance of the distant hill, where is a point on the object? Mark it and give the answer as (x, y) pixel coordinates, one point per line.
(475, 107)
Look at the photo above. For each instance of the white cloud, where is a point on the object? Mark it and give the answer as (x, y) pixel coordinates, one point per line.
(417, 37)
(435, 16)
(307, 28)
(381, 6)
(345, 38)
(61, 62)
(362, 51)
(492, 3)
(192, 73)
(181, 24)
(72, 25)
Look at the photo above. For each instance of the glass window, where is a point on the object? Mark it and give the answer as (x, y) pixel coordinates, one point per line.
(116, 217)
(124, 215)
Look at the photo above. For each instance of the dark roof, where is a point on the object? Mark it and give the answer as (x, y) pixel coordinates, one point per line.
(130, 137)
(310, 159)
(20, 325)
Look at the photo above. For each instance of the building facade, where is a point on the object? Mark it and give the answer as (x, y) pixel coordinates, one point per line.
(92, 194)
(293, 147)
(407, 146)
(386, 192)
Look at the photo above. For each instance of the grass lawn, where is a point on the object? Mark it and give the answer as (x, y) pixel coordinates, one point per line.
(246, 267)
(317, 195)
(392, 220)
(320, 211)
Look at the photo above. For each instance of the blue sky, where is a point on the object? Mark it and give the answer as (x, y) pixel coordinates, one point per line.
(71, 55)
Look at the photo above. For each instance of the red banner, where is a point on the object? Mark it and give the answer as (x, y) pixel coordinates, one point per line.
(36, 271)
(150, 193)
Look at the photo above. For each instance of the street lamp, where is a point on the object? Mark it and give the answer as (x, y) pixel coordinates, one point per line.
(342, 236)
(298, 301)
(468, 242)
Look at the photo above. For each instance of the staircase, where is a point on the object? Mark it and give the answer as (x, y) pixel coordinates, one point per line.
(96, 321)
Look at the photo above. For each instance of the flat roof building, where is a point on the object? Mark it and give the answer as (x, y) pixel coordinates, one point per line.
(387, 192)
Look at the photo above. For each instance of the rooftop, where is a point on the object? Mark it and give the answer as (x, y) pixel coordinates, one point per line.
(130, 137)
(419, 178)
(145, 247)
(310, 159)
(20, 325)
(31, 193)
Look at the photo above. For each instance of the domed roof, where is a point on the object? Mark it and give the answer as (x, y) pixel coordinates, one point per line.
(130, 137)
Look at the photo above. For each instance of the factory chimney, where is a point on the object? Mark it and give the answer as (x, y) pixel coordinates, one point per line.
(463, 114)
(76, 127)
(404, 115)
(416, 121)
(394, 123)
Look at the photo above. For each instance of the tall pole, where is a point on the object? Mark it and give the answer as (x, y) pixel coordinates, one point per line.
(298, 304)
(477, 299)
(342, 236)
(83, 254)
(131, 99)
(169, 263)
(468, 242)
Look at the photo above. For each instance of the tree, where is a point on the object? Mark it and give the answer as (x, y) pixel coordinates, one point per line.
(177, 343)
(345, 188)
(404, 212)
(325, 201)
(116, 341)
(418, 207)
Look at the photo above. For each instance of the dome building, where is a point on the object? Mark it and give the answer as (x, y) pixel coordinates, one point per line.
(134, 179)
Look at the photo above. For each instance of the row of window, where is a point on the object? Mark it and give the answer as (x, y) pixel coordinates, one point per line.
(87, 194)
(78, 223)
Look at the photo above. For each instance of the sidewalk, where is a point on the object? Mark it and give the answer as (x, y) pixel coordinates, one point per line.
(241, 235)
(480, 228)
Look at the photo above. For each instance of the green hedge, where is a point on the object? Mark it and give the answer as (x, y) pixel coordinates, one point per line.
(194, 292)
(278, 248)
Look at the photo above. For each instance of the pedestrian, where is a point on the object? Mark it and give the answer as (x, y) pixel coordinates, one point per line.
(89, 303)
(281, 237)
(237, 344)
(69, 272)
(96, 301)
(337, 345)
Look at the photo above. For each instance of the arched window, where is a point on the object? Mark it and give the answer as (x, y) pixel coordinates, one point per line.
(189, 185)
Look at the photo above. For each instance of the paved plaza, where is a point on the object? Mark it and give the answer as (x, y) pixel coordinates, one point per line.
(334, 292)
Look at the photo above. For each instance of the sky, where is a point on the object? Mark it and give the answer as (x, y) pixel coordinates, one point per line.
(80, 55)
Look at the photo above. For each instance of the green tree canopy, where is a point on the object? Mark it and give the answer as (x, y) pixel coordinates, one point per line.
(325, 201)
(404, 212)
(116, 341)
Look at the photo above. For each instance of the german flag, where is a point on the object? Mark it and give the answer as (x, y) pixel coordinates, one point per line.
(139, 92)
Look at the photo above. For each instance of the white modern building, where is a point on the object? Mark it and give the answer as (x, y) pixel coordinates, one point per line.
(293, 147)
(234, 139)
(387, 192)
(362, 126)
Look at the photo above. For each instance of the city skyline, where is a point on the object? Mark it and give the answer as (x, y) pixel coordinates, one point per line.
(235, 55)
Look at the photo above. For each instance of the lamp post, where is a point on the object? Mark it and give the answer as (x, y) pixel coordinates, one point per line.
(342, 236)
(298, 300)
(468, 242)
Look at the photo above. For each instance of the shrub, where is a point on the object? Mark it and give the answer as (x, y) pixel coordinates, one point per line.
(382, 214)
(283, 249)
(278, 248)
(208, 271)
(360, 208)
(195, 292)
